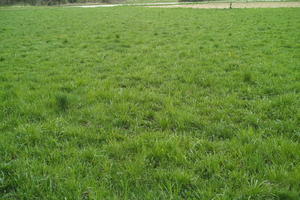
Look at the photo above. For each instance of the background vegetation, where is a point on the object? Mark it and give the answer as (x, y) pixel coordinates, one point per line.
(53, 2)
(62, 2)
(149, 103)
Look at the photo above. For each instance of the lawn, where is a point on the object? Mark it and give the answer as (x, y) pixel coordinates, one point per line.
(149, 103)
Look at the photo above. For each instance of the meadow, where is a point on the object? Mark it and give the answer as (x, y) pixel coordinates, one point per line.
(149, 103)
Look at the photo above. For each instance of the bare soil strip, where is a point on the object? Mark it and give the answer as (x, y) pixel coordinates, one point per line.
(130, 4)
(236, 5)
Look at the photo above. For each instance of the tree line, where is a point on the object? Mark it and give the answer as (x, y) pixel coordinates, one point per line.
(50, 2)
(58, 2)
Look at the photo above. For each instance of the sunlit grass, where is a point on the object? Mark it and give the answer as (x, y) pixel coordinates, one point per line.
(149, 103)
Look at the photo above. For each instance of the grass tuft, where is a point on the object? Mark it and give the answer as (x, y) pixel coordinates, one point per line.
(247, 77)
(62, 102)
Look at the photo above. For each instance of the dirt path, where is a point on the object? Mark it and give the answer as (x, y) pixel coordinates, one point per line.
(132, 4)
(236, 5)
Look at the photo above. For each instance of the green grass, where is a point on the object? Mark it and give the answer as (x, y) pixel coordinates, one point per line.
(149, 103)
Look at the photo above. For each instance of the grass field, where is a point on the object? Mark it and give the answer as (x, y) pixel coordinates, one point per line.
(149, 103)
